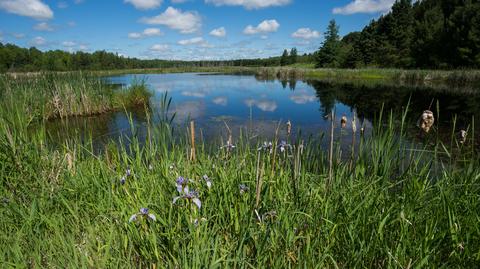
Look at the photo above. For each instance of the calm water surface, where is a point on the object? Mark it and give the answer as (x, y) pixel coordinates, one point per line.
(258, 105)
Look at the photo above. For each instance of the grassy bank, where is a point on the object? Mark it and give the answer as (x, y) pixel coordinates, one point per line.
(432, 78)
(59, 95)
(456, 79)
(392, 206)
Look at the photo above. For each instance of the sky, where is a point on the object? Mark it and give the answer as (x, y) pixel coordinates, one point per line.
(181, 29)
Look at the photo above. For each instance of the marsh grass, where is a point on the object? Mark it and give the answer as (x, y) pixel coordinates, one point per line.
(67, 208)
(47, 96)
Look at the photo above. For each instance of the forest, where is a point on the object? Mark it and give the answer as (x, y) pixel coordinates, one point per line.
(434, 34)
(428, 34)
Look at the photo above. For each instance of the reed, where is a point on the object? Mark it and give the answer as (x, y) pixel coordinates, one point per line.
(67, 207)
(46, 96)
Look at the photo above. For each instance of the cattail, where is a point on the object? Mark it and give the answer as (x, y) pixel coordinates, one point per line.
(343, 121)
(426, 120)
(462, 136)
(354, 124)
(289, 127)
(69, 158)
(192, 138)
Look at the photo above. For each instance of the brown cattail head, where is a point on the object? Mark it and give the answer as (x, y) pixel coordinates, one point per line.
(343, 121)
(462, 136)
(426, 120)
(289, 127)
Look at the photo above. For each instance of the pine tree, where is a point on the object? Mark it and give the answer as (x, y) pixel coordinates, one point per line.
(293, 56)
(328, 54)
(284, 59)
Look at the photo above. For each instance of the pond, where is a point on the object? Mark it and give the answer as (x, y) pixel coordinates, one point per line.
(258, 106)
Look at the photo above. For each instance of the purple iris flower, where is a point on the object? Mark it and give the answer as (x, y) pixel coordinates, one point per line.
(208, 181)
(123, 180)
(128, 172)
(144, 214)
(182, 184)
(243, 188)
(284, 146)
(190, 196)
(266, 146)
(229, 146)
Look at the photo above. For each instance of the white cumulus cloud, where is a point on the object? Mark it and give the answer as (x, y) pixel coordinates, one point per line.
(264, 105)
(250, 4)
(221, 101)
(38, 41)
(30, 8)
(145, 4)
(364, 6)
(302, 97)
(266, 26)
(219, 32)
(191, 41)
(186, 22)
(306, 33)
(159, 47)
(43, 26)
(18, 35)
(146, 33)
(69, 44)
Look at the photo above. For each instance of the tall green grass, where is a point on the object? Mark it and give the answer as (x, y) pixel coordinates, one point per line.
(392, 209)
(46, 96)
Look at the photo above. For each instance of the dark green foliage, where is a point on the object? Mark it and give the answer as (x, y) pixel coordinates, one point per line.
(293, 56)
(426, 34)
(328, 55)
(284, 59)
(16, 59)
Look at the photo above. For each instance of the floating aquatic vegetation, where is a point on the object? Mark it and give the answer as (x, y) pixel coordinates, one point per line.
(426, 120)
(143, 214)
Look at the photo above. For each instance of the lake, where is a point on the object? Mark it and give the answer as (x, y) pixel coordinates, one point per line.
(260, 106)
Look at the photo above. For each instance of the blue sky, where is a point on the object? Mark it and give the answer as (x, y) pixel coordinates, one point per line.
(181, 29)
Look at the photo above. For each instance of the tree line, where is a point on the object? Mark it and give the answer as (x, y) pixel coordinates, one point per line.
(16, 59)
(436, 34)
(425, 34)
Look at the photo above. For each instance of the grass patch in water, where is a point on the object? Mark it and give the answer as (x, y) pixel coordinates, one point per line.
(46, 96)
